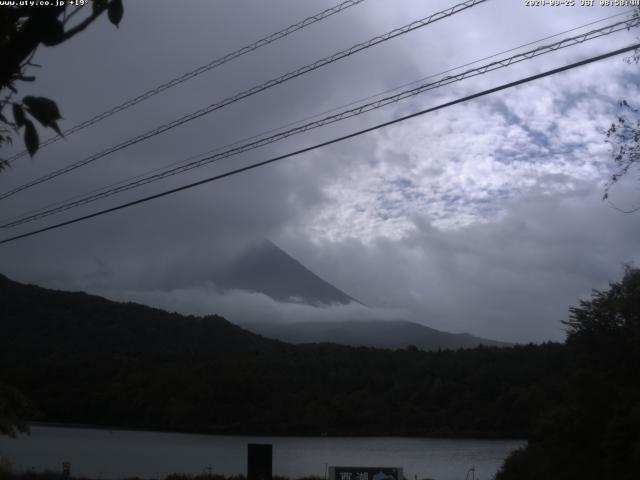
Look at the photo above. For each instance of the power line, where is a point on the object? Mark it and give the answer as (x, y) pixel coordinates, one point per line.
(3, 223)
(331, 119)
(503, 63)
(297, 122)
(252, 91)
(326, 143)
(199, 71)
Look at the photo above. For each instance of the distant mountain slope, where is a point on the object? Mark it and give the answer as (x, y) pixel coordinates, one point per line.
(87, 360)
(42, 319)
(374, 333)
(267, 269)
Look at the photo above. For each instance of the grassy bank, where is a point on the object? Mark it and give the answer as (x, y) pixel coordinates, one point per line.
(8, 472)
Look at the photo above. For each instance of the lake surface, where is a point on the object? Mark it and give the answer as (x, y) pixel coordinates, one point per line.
(121, 453)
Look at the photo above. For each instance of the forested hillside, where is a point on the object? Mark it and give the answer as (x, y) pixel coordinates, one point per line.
(593, 430)
(84, 359)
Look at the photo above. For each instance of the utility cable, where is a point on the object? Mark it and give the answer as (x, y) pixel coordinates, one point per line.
(542, 50)
(324, 144)
(198, 71)
(300, 121)
(252, 91)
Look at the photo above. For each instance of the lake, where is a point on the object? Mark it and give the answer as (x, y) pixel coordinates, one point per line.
(122, 453)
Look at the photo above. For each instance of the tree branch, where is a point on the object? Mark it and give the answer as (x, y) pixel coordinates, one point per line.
(82, 25)
(72, 14)
(615, 207)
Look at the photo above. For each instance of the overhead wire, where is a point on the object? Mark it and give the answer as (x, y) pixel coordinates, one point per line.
(503, 63)
(326, 143)
(305, 119)
(198, 71)
(252, 91)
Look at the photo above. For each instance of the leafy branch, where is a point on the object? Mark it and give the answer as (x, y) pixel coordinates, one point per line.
(624, 137)
(22, 30)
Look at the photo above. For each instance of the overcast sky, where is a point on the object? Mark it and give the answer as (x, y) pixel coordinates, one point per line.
(483, 218)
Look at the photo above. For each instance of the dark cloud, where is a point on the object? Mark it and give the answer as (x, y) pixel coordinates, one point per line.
(511, 279)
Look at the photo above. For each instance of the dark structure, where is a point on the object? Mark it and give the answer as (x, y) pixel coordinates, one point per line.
(259, 461)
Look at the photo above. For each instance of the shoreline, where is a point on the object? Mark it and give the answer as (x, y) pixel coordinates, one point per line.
(270, 435)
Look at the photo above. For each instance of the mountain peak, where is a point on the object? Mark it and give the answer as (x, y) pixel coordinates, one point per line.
(267, 269)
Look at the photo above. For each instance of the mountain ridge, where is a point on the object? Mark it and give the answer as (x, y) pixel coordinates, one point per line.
(110, 326)
(266, 268)
(83, 359)
(388, 334)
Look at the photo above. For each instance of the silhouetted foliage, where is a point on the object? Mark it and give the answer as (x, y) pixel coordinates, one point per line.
(23, 28)
(592, 431)
(93, 361)
(14, 408)
(52, 475)
(624, 136)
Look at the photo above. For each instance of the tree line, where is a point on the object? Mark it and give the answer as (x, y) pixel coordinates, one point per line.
(83, 359)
